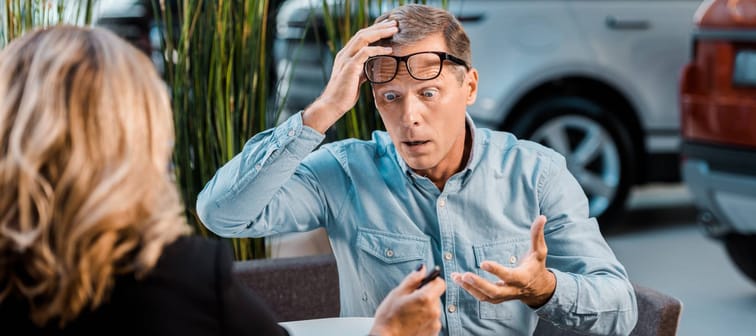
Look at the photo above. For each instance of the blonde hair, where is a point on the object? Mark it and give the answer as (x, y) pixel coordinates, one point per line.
(85, 139)
(417, 22)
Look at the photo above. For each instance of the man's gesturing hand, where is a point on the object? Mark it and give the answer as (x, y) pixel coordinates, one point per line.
(342, 90)
(530, 282)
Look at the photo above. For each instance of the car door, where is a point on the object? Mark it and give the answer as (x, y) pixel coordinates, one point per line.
(646, 43)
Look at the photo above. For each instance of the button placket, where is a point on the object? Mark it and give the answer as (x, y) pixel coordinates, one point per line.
(445, 218)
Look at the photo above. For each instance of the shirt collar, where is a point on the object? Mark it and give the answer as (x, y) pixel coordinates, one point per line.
(472, 161)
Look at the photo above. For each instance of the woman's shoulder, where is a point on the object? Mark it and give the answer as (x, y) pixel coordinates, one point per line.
(184, 285)
(190, 257)
(193, 248)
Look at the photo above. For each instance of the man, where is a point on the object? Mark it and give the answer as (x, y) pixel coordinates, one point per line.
(433, 189)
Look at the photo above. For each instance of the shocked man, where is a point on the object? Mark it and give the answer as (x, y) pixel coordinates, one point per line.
(503, 218)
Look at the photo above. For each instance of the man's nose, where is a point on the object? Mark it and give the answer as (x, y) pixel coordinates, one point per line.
(411, 110)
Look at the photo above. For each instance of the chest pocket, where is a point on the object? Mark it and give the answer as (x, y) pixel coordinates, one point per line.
(385, 258)
(392, 248)
(508, 254)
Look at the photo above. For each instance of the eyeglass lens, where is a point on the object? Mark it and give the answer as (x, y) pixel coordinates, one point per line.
(422, 66)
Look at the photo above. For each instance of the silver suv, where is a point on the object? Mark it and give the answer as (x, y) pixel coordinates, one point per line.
(595, 80)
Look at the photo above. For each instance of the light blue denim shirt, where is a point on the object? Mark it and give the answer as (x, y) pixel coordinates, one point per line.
(383, 220)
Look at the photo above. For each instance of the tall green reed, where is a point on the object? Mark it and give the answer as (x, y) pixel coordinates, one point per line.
(20, 16)
(216, 65)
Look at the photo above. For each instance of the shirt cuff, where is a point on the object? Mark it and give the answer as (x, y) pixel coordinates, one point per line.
(563, 300)
(298, 139)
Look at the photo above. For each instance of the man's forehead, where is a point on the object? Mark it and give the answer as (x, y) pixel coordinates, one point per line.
(403, 81)
(433, 42)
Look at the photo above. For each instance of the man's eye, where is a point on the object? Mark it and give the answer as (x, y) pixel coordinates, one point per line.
(430, 93)
(389, 96)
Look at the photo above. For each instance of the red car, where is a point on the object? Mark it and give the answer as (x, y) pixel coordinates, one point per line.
(718, 111)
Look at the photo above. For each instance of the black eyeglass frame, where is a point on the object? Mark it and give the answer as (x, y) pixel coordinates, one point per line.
(441, 55)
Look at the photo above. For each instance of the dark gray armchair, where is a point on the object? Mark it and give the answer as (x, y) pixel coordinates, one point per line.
(308, 288)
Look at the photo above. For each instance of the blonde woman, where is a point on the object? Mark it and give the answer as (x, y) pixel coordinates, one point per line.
(92, 239)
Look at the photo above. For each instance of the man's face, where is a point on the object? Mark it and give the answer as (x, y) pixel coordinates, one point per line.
(426, 118)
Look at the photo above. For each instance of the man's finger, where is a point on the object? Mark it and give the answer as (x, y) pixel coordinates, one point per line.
(354, 66)
(499, 291)
(537, 237)
(512, 277)
(482, 285)
(500, 271)
(367, 52)
(469, 288)
(483, 290)
(434, 288)
(369, 35)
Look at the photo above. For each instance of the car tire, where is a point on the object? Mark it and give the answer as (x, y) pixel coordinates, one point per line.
(598, 150)
(742, 249)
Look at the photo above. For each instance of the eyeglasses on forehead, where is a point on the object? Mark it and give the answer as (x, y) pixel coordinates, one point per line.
(424, 65)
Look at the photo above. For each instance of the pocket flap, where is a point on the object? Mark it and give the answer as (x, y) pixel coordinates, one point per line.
(392, 247)
(506, 253)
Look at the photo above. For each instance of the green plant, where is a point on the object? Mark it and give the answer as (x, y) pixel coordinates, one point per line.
(20, 16)
(216, 65)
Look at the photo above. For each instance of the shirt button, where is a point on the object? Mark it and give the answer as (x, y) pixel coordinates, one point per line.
(451, 308)
(442, 202)
(291, 132)
(512, 259)
(448, 256)
(389, 253)
(258, 166)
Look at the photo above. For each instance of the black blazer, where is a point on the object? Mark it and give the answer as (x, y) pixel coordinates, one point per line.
(190, 292)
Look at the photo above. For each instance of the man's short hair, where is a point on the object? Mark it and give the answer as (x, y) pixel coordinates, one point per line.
(417, 22)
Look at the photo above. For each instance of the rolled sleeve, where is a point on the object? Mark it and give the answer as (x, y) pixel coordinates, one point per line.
(298, 139)
(242, 189)
(563, 298)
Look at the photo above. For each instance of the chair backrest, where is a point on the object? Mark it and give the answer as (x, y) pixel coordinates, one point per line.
(299, 288)
(658, 315)
(308, 287)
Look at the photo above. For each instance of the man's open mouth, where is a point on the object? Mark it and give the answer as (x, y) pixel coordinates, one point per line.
(416, 143)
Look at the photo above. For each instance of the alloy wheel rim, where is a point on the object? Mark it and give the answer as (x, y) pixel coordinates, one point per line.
(591, 154)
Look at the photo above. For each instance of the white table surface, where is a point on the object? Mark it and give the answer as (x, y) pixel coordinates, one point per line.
(357, 326)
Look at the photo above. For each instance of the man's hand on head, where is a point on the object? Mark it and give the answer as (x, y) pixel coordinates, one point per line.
(530, 282)
(342, 91)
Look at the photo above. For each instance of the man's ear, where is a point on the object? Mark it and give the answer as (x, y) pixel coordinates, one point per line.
(472, 86)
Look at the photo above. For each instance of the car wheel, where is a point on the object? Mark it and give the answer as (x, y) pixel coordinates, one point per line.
(742, 249)
(597, 149)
